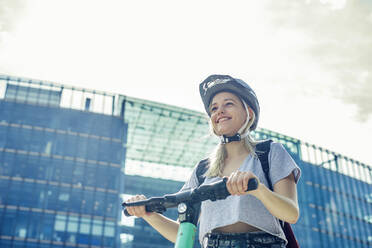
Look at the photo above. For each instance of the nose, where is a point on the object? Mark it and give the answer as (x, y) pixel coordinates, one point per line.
(219, 111)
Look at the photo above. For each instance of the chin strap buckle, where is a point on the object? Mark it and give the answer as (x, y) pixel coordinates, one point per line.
(227, 139)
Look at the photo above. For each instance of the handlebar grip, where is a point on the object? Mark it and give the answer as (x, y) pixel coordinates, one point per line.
(252, 184)
(148, 209)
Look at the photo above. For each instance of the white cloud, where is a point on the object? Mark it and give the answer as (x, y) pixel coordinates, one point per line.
(338, 42)
(294, 53)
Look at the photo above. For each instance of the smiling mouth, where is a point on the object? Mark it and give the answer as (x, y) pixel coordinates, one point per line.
(223, 119)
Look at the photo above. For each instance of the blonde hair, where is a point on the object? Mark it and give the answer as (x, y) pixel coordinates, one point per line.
(218, 156)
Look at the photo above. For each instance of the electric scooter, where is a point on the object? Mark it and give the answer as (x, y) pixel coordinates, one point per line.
(188, 203)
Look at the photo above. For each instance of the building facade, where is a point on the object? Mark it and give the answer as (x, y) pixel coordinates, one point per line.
(60, 169)
(69, 156)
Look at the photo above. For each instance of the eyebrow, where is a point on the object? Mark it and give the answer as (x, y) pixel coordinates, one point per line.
(226, 99)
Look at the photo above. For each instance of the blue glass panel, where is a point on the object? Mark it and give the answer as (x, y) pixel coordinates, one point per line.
(40, 195)
(84, 231)
(111, 205)
(88, 202)
(92, 149)
(5, 243)
(75, 200)
(47, 227)
(66, 172)
(108, 241)
(99, 203)
(64, 198)
(4, 186)
(97, 230)
(21, 224)
(8, 163)
(14, 197)
(78, 174)
(60, 228)
(112, 177)
(34, 225)
(90, 174)
(102, 178)
(7, 226)
(52, 197)
(70, 146)
(27, 196)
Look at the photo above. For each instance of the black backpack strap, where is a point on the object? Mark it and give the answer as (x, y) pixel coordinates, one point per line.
(201, 169)
(262, 151)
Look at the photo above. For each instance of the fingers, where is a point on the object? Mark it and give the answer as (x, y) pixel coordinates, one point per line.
(237, 183)
(138, 211)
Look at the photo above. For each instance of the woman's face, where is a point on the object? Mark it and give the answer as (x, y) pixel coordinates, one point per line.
(227, 113)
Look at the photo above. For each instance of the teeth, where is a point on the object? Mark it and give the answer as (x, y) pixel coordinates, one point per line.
(223, 119)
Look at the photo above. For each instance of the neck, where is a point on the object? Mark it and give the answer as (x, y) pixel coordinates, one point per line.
(236, 149)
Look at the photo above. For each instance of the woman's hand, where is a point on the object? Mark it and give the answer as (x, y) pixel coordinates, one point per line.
(138, 211)
(237, 183)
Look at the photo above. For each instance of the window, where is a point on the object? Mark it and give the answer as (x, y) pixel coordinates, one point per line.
(97, 227)
(64, 199)
(85, 226)
(32, 95)
(5, 166)
(75, 199)
(87, 202)
(99, 203)
(14, 193)
(90, 173)
(72, 224)
(78, 174)
(28, 198)
(34, 225)
(47, 227)
(8, 223)
(66, 171)
(60, 223)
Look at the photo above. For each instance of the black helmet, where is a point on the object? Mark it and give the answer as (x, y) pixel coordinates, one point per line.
(217, 83)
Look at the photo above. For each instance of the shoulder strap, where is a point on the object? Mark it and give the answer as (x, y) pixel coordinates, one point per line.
(262, 151)
(201, 169)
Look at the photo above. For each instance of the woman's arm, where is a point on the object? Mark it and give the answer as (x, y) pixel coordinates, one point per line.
(165, 226)
(282, 203)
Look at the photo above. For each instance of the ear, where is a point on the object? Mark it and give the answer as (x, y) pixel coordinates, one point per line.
(251, 113)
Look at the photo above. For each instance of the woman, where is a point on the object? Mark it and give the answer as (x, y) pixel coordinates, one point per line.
(249, 219)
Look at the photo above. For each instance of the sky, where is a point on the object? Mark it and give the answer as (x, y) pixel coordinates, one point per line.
(309, 61)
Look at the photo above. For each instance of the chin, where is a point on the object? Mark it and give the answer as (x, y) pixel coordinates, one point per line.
(225, 133)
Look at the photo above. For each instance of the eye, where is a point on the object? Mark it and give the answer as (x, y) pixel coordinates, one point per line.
(213, 109)
(229, 103)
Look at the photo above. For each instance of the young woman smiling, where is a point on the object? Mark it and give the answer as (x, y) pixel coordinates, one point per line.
(244, 219)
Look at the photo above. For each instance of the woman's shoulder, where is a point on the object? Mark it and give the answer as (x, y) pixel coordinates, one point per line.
(274, 146)
(277, 146)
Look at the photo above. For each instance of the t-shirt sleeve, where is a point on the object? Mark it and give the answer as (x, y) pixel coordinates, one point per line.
(192, 181)
(282, 164)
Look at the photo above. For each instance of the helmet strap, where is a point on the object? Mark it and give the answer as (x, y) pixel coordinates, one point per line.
(227, 139)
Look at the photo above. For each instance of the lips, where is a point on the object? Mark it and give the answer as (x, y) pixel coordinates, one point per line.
(222, 118)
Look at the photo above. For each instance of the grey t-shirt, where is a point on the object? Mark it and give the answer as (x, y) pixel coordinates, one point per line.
(247, 208)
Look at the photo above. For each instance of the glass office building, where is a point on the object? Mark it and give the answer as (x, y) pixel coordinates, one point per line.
(68, 157)
(60, 166)
(334, 192)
